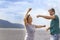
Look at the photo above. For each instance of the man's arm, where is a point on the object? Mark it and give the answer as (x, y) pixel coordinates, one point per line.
(48, 28)
(46, 17)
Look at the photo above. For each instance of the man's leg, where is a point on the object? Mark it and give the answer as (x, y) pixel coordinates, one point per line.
(59, 36)
(51, 37)
(54, 37)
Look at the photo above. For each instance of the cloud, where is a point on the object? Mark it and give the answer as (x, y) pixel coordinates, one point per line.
(40, 21)
(14, 10)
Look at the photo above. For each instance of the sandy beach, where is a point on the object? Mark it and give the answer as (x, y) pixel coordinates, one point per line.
(19, 34)
(42, 35)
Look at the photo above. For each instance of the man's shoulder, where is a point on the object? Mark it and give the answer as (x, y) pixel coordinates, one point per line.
(56, 16)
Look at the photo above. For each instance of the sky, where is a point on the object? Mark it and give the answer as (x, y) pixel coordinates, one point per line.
(14, 10)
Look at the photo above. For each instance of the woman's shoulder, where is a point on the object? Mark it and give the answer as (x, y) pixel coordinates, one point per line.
(33, 25)
(26, 24)
(30, 25)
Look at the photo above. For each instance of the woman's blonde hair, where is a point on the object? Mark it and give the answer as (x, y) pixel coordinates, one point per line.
(27, 17)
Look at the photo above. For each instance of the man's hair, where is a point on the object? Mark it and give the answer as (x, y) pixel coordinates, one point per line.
(52, 9)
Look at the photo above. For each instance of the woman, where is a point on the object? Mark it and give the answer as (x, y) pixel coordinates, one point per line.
(29, 26)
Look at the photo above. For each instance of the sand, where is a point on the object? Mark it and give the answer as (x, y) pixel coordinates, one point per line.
(19, 34)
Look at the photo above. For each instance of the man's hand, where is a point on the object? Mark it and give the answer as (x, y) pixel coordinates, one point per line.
(47, 29)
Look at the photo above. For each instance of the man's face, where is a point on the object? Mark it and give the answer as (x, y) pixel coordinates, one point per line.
(51, 12)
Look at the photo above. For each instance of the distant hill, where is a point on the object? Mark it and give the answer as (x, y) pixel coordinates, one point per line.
(7, 24)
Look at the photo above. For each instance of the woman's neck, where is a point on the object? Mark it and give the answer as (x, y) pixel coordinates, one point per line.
(30, 23)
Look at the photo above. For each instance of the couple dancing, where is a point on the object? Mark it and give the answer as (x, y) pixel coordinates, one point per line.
(54, 26)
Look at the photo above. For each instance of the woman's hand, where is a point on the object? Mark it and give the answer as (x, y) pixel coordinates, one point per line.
(44, 25)
(28, 11)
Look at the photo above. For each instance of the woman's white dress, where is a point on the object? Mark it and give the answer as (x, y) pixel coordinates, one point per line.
(30, 32)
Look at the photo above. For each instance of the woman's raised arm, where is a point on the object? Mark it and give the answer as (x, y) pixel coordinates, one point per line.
(25, 18)
(28, 11)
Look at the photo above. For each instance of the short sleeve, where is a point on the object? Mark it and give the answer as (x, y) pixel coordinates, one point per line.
(56, 17)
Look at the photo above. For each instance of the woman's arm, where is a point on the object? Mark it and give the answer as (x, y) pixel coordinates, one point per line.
(28, 11)
(25, 21)
(40, 26)
(25, 18)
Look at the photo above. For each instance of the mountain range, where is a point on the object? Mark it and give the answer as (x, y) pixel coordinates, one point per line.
(7, 24)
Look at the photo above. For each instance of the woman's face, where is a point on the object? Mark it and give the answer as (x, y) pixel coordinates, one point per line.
(29, 19)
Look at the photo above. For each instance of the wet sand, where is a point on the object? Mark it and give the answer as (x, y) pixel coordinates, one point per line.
(19, 34)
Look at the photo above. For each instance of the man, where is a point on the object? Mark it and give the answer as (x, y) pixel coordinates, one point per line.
(54, 25)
